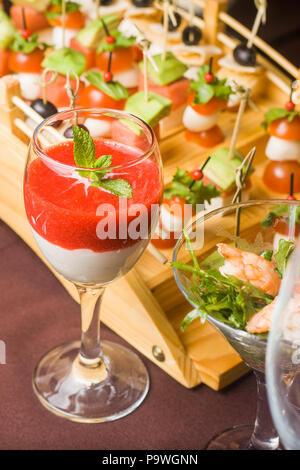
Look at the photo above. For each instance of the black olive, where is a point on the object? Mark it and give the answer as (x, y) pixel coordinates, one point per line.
(191, 35)
(142, 3)
(55, 123)
(171, 26)
(68, 134)
(43, 109)
(105, 3)
(244, 55)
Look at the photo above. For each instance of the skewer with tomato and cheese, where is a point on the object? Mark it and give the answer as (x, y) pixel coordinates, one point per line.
(64, 61)
(185, 196)
(25, 60)
(207, 97)
(102, 91)
(283, 148)
(88, 38)
(123, 57)
(7, 33)
(65, 27)
(167, 79)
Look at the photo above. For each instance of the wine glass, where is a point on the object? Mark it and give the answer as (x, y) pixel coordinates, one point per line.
(92, 221)
(283, 358)
(241, 225)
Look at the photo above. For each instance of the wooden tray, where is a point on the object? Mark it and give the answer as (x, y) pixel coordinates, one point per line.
(147, 305)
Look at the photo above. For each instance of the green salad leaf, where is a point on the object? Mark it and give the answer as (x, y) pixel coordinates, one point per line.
(198, 194)
(85, 157)
(290, 213)
(27, 46)
(71, 7)
(278, 113)
(113, 89)
(65, 60)
(285, 249)
(204, 91)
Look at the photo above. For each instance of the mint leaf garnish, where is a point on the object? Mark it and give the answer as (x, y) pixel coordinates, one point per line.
(85, 157)
(113, 89)
(27, 45)
(285, 249)
(120, 41)
(278, 113)
(204, 91)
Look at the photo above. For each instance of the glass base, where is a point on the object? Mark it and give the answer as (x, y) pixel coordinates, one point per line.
(91, 394)
(236, 438)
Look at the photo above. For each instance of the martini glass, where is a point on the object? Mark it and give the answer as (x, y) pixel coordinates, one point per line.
(205, 232)
(283, 358)
(92, 236)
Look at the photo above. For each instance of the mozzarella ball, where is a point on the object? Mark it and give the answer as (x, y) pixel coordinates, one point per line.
(281, 150)
(30, 85)
(198, 122)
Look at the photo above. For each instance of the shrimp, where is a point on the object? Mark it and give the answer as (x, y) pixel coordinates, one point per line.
(260, 322)
(249, 267)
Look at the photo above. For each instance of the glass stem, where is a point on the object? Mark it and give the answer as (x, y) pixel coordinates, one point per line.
(265, 436)
(90, 302)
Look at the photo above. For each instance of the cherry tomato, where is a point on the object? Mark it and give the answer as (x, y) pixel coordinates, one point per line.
(285, 130)
(277, 176)
(92, 97)
(197, 174)
(281, 226)
(90, 54)
(289, 105)
(57, 94)
(74, 20)
(28, 63)
(212, 106)
(208, 138)
(122, 59)
(4, 58)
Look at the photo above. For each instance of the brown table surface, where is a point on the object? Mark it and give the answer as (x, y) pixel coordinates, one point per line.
(38, 314)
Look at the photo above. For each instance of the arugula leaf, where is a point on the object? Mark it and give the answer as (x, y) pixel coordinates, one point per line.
(65, 60)
(226, 298)
(285, 249)
(278, 113)
(204, 91)
(120, 41)
(198, 194)
(85, 157)
(113, 89)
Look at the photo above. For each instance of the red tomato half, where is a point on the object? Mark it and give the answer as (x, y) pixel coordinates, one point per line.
(285, 130)
(208, 138)
(74, 20)
(280, 226)
(4, 57)
(211, 107)
(122, 59)
(56, 93)
(35, 20)
(28, 63)
(277, 176)
(92, 97)
(90, 54)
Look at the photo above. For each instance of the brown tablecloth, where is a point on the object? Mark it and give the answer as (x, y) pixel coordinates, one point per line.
(38, 314)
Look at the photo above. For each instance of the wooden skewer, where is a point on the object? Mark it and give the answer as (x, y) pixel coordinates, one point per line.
(19, 103)
(185, 14)
(63, 14)
(261, 14)
(157, 254)
(165, 33)
(238, 121)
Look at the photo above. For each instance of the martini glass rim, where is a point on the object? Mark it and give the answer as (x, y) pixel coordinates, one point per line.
(201, 219)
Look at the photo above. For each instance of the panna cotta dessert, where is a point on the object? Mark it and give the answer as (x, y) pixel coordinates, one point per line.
(87, 233)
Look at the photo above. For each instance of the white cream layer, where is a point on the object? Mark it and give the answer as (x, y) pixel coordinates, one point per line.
(87, 266)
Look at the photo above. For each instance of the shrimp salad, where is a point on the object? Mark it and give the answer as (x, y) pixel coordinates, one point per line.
(237, 287)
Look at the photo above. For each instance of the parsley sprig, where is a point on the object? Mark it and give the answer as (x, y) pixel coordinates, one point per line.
(85, 157)
(27, 46)
(198, 194)
(113, 88)
(204, 91)
(278, 113)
